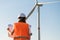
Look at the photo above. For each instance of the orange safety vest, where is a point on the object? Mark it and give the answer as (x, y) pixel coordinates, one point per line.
(21, 29)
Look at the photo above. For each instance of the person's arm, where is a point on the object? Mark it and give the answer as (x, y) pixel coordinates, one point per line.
(12, 32)
(30, 33)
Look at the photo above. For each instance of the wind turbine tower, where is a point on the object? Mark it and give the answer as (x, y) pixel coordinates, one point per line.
(38, 8)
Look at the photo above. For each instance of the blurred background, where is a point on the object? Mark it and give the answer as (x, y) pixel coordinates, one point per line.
(49, 18)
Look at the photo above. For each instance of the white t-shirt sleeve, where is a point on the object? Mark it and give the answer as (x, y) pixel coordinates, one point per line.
(29, 28)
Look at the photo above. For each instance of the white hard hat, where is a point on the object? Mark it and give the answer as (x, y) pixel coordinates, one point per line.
(22, 15)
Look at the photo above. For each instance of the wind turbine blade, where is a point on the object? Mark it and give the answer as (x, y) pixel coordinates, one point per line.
(31, 11)
(48, 2)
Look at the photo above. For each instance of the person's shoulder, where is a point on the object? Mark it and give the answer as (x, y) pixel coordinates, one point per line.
(15, 22)
(28, 24)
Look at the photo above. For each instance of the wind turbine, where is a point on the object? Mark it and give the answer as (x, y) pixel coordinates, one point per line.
(38, 5)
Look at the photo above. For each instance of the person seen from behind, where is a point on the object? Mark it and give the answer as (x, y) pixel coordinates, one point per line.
(21, 30)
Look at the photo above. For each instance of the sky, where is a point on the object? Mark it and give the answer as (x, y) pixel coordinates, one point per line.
(49, 18)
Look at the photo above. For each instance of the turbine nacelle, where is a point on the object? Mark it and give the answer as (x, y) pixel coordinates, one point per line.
(39, 4)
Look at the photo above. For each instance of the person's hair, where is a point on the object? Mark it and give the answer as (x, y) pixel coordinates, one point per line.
(22, 19)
